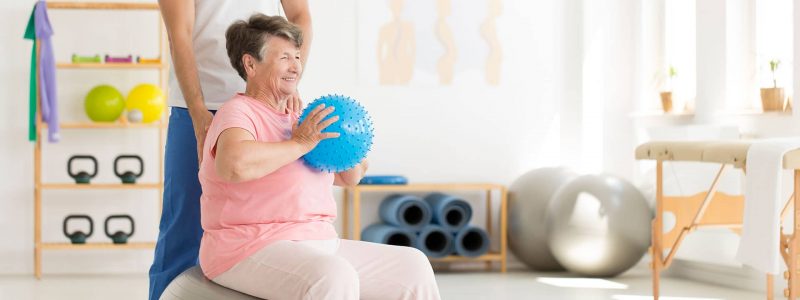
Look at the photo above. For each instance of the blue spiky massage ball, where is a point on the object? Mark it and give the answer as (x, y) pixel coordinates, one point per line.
(355, 135)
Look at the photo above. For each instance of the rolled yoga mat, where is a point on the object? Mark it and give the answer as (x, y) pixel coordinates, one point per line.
(383, 179)
(450, 212)
(388, 234)
(435, 241)
(471, 241)
(406, 211)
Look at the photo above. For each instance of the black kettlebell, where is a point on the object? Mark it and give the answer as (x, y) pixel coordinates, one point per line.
(128, 176)
(119, 237)
(78, 237)
(82, 177)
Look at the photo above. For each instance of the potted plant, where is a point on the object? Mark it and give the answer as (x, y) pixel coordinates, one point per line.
(666, 96)
(772, 99)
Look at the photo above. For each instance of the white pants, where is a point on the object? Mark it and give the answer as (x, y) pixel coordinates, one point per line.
(333, 269)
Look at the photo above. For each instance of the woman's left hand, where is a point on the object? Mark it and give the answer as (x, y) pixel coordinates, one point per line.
(352, 176)
(364, 166)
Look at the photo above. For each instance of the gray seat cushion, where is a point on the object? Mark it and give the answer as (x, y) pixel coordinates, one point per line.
(193, 285)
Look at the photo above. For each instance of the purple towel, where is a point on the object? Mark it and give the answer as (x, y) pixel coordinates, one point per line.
(47, 70)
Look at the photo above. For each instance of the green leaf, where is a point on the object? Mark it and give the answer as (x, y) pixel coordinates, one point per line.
(773, 64)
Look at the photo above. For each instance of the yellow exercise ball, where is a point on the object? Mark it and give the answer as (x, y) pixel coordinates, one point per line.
(147, 98)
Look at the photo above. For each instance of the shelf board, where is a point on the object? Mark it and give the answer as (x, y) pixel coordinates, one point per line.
(661, 114)
(735, 113)
(456, 258)
(425, 187)
(99, 186)
(97, 246)
(69, 65)
(106, 125)
(757, 113)
(103, 5)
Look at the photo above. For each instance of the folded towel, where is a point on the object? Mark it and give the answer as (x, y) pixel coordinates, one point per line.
(759, 245)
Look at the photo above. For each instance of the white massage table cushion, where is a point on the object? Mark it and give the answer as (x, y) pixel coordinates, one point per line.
(722, 152)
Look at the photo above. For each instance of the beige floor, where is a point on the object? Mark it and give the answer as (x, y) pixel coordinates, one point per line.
(634, 285)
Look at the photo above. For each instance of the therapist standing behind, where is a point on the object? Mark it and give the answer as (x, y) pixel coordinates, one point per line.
(201, 79)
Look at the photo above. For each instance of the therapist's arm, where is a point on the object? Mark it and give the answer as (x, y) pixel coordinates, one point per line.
(178, 18)
(297, 12)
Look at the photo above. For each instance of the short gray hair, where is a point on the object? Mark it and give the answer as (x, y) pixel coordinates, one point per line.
(251, 36)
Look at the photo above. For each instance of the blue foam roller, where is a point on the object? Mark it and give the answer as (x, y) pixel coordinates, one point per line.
(450, 212)
(406, 211)
(383, 179)
(471, 241)
(435, 241)
(355, 135)
(388, 234)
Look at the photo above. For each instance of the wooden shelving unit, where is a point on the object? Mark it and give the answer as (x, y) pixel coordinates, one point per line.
(102, 5)
(68, 65)
(488, 188)
(97, 246)
(100, 186)
(160, 126)
(109, 125)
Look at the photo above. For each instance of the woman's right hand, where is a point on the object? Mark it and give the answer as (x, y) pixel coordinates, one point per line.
(309, 133)
(201, 121)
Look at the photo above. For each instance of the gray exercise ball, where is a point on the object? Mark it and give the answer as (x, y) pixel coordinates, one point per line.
(193, 285)
(528, 197)
(598, 225)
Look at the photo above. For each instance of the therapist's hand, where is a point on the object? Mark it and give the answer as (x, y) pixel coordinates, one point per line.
(201, 121)
(294, 104)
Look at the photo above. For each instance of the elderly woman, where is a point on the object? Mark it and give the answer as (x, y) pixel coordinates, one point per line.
(268, 217)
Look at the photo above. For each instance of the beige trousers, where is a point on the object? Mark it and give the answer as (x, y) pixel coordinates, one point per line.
(333, 269)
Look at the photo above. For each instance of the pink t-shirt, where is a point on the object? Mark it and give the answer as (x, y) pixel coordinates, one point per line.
(294, 202)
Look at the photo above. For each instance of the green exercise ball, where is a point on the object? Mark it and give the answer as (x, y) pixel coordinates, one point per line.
(104, 103)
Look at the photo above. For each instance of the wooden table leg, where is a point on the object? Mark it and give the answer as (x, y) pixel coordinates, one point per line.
(794, 243)
(769, 286)
(657, 251)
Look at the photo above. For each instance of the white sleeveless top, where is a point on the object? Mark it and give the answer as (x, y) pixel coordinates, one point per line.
(218, 79)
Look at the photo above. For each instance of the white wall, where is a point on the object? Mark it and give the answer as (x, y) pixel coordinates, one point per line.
(454, 133)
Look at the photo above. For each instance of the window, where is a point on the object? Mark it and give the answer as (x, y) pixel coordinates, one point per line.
(679, 33)
(774, 42)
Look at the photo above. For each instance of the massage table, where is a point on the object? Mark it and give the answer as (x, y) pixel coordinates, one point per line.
(712, 209)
